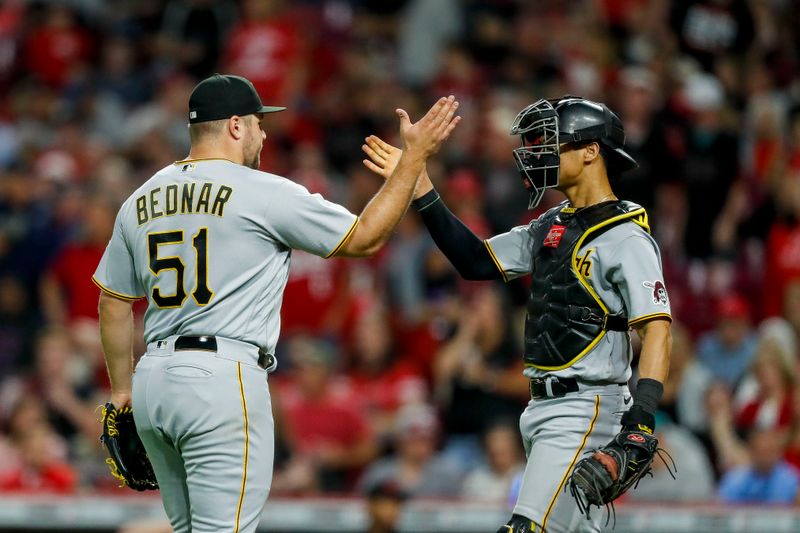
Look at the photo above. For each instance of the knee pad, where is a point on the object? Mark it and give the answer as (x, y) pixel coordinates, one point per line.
(518, 524)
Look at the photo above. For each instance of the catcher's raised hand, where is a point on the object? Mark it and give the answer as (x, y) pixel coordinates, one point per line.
(383, 157)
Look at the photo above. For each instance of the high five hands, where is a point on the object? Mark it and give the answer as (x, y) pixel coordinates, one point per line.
(429, 132)
(383, 158)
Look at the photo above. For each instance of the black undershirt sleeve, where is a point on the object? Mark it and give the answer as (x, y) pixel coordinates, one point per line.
(464, 249)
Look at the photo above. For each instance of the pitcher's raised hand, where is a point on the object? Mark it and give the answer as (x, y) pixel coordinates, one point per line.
(428, 133)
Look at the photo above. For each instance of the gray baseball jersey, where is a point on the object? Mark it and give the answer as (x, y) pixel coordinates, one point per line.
(623, 267)
(208, 243)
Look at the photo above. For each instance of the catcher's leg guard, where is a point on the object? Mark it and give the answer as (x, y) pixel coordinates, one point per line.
(518, 524)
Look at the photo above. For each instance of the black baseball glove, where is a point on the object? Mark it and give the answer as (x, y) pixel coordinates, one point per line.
(619, 465)
(128, 460)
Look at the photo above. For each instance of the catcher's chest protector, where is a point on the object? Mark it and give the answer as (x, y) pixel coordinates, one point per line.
(565, 317)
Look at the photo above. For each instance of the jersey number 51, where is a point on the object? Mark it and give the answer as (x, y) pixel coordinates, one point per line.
(202, 294)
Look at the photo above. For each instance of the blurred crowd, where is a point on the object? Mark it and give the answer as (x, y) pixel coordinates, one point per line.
(396, 377)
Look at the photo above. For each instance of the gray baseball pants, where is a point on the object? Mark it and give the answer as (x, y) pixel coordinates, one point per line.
(557, 433)
(205, 419)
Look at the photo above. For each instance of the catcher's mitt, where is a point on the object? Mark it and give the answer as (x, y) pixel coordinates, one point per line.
(605, 475)
(128, 460)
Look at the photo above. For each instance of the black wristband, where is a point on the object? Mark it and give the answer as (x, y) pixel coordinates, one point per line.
(426, 200)
(648, 394)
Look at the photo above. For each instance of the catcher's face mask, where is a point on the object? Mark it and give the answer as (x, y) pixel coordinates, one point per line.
(538, 159)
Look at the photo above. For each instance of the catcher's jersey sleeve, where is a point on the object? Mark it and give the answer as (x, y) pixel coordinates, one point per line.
(511, 251)
(635, 269)
(115, 274)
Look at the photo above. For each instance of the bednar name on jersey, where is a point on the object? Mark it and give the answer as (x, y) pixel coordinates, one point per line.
(207, 198)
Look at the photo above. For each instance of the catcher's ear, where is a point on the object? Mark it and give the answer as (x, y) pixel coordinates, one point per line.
(590, 152)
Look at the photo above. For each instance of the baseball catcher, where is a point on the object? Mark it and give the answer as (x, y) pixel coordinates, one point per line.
(127, 460)
(595, 275)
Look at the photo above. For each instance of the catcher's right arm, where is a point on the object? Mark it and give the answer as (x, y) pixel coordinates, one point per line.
(127, 460)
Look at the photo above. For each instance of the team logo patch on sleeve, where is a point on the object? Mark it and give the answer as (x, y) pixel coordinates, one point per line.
(554, 236)
(659, 292)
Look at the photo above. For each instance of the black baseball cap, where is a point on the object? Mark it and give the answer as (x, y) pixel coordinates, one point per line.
(224, 95)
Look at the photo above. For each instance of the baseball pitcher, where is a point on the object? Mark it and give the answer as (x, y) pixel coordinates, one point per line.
(207, 241)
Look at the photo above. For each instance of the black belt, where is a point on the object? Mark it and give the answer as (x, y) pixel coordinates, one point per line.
(208, 343)
(558, 386)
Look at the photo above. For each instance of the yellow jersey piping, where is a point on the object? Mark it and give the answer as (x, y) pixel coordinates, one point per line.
(496, 261)
(246, 446)
(574, 460)
(115, 294)
(344, 239)
(652, 316)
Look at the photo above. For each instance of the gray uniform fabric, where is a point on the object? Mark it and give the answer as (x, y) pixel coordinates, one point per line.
(557, 432)
(625, 266)
(205, 420)
(249, 240)
(624, 269)
(208, 243)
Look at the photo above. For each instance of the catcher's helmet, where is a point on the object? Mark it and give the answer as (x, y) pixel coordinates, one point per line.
(547, 124)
